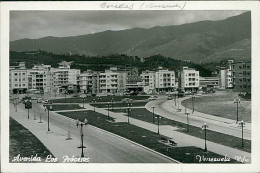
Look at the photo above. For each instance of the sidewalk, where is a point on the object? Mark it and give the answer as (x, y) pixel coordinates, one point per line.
(101, 146)
(180, 138)
(167, 109)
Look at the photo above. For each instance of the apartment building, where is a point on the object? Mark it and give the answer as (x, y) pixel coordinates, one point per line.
(64, 77)
(226, 75)
(242, 76)
(39, 77)
(148, 78)
(209, 82)
(164, 80)
(18, 80)
(89, 82)
(112, 81)
(189, 79)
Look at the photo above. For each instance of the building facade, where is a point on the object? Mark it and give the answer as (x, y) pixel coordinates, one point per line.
(89, 82)
(148, 79)
(189, 79)
(164, 80)
(242, 76)
(18, 79)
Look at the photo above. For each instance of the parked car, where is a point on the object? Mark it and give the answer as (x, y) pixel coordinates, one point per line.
(181, 94)
(39, 100)
(152, 98)
(45, 101)
(169, 97)
(125, 100)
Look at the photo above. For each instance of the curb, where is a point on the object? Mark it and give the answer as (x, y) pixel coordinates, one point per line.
(167, 157)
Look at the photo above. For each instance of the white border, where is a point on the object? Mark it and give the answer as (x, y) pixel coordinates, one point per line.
(253, 6)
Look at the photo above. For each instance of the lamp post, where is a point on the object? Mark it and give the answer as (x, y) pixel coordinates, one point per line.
(81, 124)
(49, 108)
(192, 99)
(112, 100)
(99, 98)
(94, 102)
(158, 118)
(237, 101)
(108, 110)
(242, 125)
(205, 127)
(83, 100)
(153, 112)
(65, 96)
(188, 124)
(175, 96)
(128, 111)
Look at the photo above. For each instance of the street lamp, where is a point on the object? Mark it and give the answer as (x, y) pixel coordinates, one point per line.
(108, 110)
(112, 100)
(175, 96)
(205, 127)
(94, 102)
(188, 124)
(153, 112)
(83, 99)
(49, 107)
(237, 101)
(65, 96)
(99, 98)
(128, 111)
(192, 99)
(242, 125)
(158, 118)
(81, 124)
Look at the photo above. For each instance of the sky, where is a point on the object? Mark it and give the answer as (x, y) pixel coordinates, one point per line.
(38, 24)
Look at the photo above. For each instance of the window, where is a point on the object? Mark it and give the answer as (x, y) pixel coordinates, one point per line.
(15, 74)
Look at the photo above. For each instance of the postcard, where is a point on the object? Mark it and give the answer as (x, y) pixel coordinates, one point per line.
(130, 86)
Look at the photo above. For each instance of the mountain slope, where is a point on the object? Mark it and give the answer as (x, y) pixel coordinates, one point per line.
(199, 41)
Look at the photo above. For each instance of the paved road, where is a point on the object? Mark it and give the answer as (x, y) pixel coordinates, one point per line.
(166, 108)
(101, 147)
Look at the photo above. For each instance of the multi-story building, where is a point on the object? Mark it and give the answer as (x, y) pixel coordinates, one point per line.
(209, 82)
(39, 77)
(89, 82)
(226, 75)
(112, 81)
(64, 77)
(164, 80)
(148, 78)
(242, 76)
(189, 79)
(18, 80)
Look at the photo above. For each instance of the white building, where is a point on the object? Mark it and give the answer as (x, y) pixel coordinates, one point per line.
(148, 78)
(39, 77)
(112, 81)
(18, 80)
(164, 80)
(226, 75)
(64, 77)
(189, 79)
(89, 82)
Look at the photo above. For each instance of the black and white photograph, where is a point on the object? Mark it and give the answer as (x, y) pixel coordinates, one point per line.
(118, 85)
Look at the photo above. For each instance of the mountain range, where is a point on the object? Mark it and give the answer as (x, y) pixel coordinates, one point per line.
(200, 42)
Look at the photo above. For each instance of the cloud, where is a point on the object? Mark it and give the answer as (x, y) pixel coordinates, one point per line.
(37, 24)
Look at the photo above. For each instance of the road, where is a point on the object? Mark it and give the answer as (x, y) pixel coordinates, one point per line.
(167, 109)
(101, 147)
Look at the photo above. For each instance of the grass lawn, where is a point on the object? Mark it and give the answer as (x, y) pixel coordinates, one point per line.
(65, 107)
(23, 142)
(102, 99)
(142, 136)
(134, 104)
(222, 104)
(227, 140)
